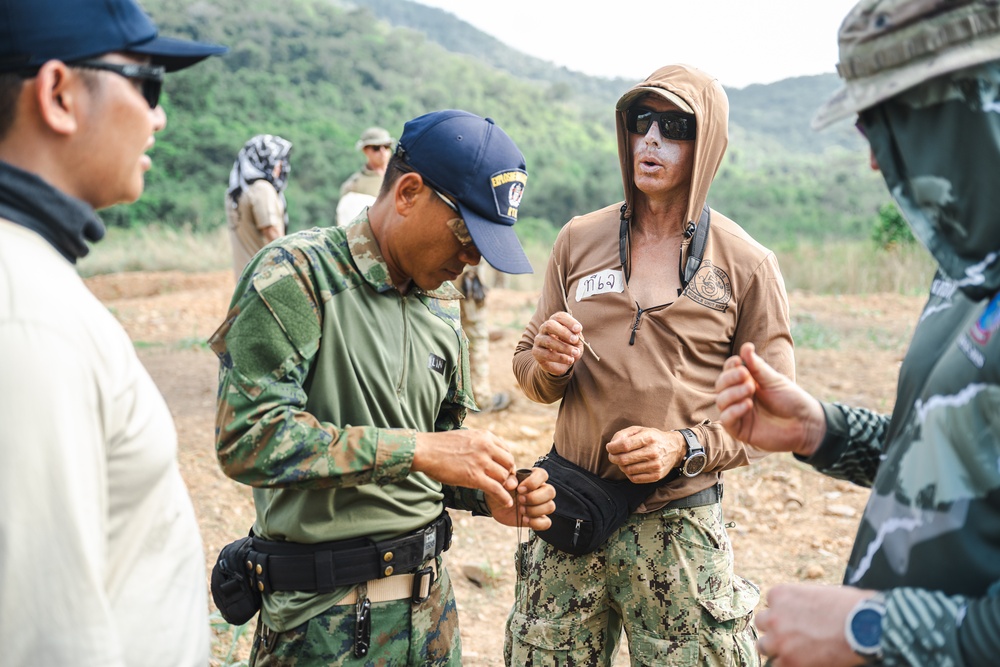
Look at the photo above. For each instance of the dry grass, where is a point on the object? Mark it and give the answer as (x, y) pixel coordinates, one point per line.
(856, 267)
(850, 267)
(157, 248)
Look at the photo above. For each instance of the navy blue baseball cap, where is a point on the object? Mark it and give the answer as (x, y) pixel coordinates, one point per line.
(473, 161)
(32, 32)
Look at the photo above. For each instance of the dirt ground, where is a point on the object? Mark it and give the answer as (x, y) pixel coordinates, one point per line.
(788, 523)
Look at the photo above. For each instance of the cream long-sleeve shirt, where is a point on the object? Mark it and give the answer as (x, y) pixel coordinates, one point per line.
(101, 562)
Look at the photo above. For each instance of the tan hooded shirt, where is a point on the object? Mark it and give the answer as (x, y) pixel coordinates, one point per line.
(658, 363)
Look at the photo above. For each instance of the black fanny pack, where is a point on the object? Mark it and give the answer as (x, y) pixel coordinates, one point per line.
(588, 508)
(251, 566)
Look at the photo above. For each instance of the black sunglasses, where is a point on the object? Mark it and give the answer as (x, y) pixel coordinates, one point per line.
(150, 76)
(674, 125)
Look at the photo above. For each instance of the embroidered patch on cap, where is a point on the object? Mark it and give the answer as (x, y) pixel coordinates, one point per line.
(508, 188)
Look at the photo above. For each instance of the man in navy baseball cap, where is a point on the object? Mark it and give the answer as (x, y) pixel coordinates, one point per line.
(101, 562)
(34, 32)
(479, 170)
(344, 345)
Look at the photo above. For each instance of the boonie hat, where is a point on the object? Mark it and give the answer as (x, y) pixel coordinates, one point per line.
(32, 32)
(374, 136)
(472, 160)
(889, 46)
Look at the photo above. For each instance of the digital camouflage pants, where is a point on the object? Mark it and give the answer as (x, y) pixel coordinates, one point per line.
(666, 577)
(402, 633)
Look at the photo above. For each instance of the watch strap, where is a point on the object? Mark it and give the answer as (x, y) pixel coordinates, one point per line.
(693, 445)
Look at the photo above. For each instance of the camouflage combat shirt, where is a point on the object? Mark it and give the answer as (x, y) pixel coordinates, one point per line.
(327, 373)
(931, 529)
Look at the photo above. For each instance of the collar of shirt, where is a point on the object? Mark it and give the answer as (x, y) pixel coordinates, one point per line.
(371, 264)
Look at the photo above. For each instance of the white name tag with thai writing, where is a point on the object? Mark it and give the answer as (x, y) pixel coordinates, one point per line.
(602, 282)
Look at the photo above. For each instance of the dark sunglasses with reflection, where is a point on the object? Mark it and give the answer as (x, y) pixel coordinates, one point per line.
(674, 125)
(149, 76)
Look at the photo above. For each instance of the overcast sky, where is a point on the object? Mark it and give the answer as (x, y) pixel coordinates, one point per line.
(739, 41)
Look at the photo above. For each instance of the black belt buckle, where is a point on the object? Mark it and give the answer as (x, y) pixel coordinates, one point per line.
(419, 576)
(430, 543)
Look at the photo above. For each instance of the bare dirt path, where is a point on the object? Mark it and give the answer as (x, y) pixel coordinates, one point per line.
(790, 523)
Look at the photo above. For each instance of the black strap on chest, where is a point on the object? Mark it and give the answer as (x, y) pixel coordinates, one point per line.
(696, 251)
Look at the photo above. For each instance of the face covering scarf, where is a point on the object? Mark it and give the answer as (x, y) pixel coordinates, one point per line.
(256, 161)
(938, 148)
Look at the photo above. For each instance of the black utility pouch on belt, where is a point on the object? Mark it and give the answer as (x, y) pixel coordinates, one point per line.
(233, 589)
(588, 508)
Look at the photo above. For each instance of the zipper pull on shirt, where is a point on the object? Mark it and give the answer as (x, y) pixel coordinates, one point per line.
(635, 325)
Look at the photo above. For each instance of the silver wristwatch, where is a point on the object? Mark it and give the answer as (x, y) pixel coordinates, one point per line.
(696, 459)
(863, 628)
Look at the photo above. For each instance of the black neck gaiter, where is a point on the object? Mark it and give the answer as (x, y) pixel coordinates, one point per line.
(65, 222)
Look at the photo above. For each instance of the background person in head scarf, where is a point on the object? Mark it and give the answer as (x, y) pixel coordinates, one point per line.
(256, 210)
(922, 585)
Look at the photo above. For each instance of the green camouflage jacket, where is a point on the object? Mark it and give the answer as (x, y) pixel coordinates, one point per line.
(327, 372)
(931, 530)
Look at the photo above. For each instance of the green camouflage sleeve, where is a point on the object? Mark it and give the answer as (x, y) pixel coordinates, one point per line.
(264, 435)
(852, 448)
(923, 627)
(471, 500)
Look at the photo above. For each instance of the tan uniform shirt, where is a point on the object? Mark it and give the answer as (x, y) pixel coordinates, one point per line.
(658, 362)
(366, 181)
(258, 207)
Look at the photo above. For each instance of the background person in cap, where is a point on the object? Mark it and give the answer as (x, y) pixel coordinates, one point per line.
(361, 187)
(921, 587)
(256, 211)
(663, 289)
(101, 562)
(343, 387)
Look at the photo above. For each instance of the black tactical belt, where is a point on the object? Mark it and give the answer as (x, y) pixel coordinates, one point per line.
(323, 567)
(709, 496)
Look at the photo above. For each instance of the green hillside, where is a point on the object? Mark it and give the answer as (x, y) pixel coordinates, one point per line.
(318, 72)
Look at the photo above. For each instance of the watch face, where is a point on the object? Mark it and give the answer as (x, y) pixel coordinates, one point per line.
(866, 626)
(695, 463)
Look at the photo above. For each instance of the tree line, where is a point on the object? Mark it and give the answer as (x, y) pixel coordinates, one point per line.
(318, 73)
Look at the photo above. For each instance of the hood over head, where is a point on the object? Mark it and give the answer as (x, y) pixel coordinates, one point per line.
(696, 92)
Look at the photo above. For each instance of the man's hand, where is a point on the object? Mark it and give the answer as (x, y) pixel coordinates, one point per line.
(534, 503)
(472, 458)
(760, 406)
(558, 343)
(646, 454)
(803, 625)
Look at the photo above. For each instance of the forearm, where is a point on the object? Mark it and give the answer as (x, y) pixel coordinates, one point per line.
(273, 442)
(852, 447)
(724, 452)
(924, 627)
(462, 498)
(537, 384)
